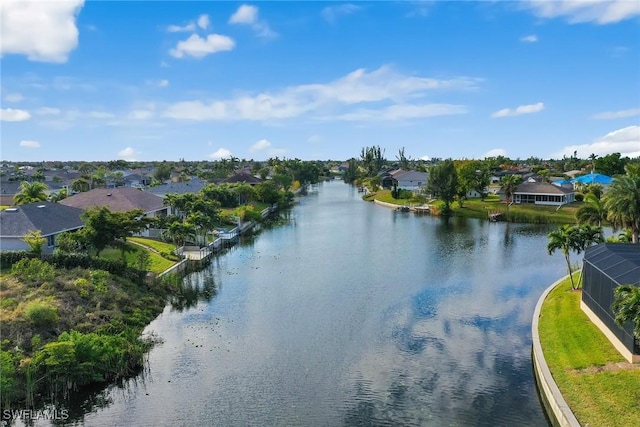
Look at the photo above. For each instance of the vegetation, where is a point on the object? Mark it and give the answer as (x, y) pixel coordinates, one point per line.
(596, 383)
(63, 328)
(443, 183)
(576, 239)
(626, 306)
(622, 202)
(30, 192)
(35, 241)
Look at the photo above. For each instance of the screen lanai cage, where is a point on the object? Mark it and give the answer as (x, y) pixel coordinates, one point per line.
(607, 266)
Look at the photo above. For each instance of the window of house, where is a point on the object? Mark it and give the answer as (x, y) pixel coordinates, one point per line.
(51, 240)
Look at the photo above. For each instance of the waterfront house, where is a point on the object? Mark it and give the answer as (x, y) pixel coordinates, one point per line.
(412, 180)
(592, 178)
(121, 199)
(241, 177)
(543, 193)
(607, 266)
(50, 219)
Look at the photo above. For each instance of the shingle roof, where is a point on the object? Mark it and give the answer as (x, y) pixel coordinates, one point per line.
(49, 218)
(541, 188)
(121, 199)
(192, 186)
(242, 177)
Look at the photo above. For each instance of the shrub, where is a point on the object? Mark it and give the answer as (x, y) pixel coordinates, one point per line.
(41, 313)
(8, 258)
(100, 280)
(579, 197)
(33, 270)
(83, 286)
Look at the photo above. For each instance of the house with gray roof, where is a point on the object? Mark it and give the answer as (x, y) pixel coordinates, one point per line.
(120, 199)
(50, 219)
(543, 193)
(192, 186)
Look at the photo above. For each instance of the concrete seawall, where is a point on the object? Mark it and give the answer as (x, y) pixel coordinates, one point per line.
(555, 405)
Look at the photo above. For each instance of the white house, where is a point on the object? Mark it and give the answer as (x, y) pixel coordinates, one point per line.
(412, 180)
(543, 193)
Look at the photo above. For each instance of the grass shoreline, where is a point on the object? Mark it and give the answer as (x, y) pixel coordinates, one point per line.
(599, 386)
(476, 208)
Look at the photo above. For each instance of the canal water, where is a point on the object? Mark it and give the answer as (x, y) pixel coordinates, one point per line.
(351, 314)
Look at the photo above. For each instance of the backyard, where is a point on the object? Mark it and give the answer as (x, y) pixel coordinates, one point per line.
(600, 387)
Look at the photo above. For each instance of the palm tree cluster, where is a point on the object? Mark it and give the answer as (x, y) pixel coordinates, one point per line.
(576, 238)
(620, 204)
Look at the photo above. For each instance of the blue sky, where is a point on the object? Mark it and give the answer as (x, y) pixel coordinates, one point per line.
(165, 80)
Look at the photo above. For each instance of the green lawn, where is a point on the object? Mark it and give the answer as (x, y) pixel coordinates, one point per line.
(581, 358)
(157, 264)
(476, 208)
(155, 244)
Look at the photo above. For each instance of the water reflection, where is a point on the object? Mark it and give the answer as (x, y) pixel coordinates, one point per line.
(197, 287)
(351, 314)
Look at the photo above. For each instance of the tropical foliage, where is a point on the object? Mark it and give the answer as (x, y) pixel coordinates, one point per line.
(626, 306)
(576, 239)
(30, 192)
(622, 202)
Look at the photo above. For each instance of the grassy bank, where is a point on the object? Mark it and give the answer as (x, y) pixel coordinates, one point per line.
(599, 386)
(476, 208)
(65, 328)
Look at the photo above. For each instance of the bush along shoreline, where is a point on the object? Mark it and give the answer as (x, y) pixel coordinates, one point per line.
(69, 321)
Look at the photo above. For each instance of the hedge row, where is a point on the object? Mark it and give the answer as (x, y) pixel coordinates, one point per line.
(69, 261)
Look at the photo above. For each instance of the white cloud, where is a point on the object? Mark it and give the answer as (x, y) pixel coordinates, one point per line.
(29, 144)
(522, 109)
(263, 144)
(221, 153)
(617, 114)
(579, 11)
(425, 158)
(529, 39)
(100, 115)
(248, 15)
(203, 22)
(13, 115)
(404, 112)
(128, 154)
(331, 13)
(140, 114)
(191, 26)
(163, 83)
(199, 47)
(381, 86)
(244, 15)
(314, 139)
(13, 97)
(495, 153)
(42, 30)
(48, 111)
(625, 141)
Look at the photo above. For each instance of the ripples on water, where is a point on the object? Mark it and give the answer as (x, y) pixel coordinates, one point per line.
(351, 314)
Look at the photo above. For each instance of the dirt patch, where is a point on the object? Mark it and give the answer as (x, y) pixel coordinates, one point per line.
(609, 367)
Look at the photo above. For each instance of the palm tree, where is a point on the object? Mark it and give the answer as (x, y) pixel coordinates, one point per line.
(622, 202)
(509, 184)
(592, 212)
(565, 239)
(30, 192)
(626, 307)
(575, 238)
(80, 185)
(179, 232)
